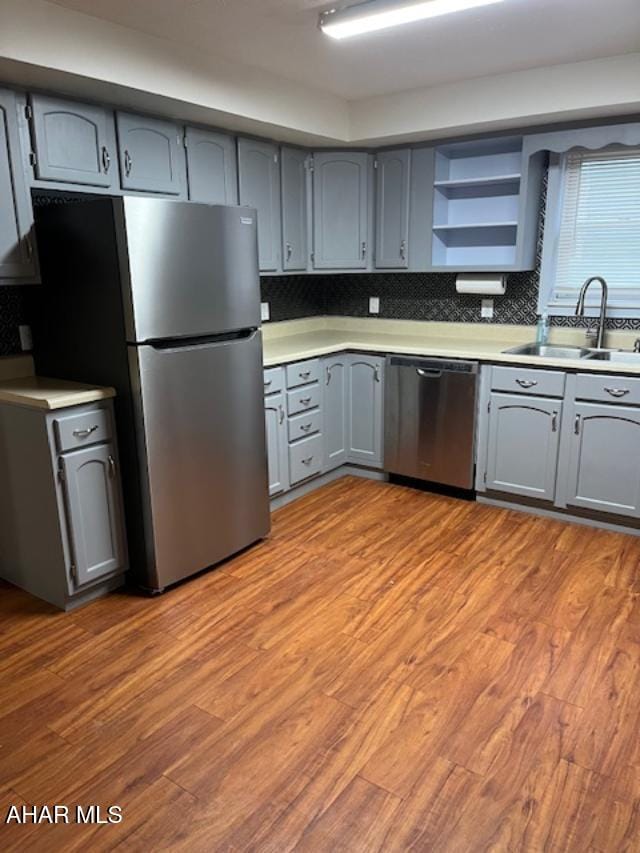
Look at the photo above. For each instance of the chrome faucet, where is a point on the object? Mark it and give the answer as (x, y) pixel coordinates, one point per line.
(603, 306)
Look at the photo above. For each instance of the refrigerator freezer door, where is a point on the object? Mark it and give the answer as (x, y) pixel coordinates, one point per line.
(187, 269)
(202, 440)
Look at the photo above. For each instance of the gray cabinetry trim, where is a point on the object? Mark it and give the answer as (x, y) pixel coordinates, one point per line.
(18, 262)
(211, 166)
(73, 143)
(151, 154)
(393, 174)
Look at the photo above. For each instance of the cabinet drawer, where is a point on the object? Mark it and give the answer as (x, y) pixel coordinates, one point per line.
(303, 399)
(608, 389)
(305, 458)
(303, 372)
(303, 425)
(520, 380)
(273, 380)
(80, 430)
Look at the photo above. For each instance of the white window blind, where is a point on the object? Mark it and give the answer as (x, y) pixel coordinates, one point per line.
(599, 230)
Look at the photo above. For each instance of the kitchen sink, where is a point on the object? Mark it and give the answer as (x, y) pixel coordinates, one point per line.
(619, 356)
(550, 351)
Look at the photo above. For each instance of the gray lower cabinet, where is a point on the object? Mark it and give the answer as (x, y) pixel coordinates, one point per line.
(211, 166)
(151, 154)
(17, 251)
(259, 185)
(365, 401)
(276, 428)
(604, 458)
(294, 208)
(61, 519)
(73, 143)
(335, 375)
(340, 210)
(523, 438)
(392, 209)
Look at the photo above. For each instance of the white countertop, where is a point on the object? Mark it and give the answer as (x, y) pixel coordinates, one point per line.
(38, 392)
(296, 340)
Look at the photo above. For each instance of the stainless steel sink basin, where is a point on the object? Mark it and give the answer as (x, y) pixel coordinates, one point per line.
(619, 356)
(549, 351)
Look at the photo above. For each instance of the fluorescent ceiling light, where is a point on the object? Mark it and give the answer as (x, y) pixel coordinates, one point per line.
(370, 16)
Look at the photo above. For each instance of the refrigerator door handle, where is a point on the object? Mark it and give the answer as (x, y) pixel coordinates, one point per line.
(184, 344)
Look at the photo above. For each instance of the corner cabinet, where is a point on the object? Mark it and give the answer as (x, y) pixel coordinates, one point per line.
(63, 480)
(17, 250)
(335, 375)
(259, 183)
(341, 210)
(365, 409)
(73, 143)
(211, 166)
(151, 154)
(393, 183)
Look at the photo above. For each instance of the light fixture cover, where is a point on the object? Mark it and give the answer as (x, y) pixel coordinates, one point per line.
(372, 15)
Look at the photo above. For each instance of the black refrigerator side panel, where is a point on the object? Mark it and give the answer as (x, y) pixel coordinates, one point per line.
(79, 328)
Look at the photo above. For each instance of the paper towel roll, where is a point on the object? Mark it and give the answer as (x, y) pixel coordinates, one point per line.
(485, 284)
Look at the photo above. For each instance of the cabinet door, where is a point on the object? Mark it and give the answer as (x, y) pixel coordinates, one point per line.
(335, 432)
(294, 209)
(17, 257)
(94, 512)
(276, 443)
(151, 154)
(260, 188)
(392, 209)
(74, 143)
(523, 445)
(604, 463)
(211, 165)
(365, 409)
(340, 210)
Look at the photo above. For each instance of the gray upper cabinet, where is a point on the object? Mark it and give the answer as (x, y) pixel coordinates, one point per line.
(365, 409)
(73, 143)
(211, 165)
(335, 373)
(151, 153)
(276, 443)
(523, 445)
(294, 208)
(17, 255)
(392, 209)
(604, 459)
(259, 181)
(93, 512)
(340, 210)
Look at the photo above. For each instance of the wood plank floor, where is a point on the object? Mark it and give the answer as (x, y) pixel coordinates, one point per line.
(390, 671)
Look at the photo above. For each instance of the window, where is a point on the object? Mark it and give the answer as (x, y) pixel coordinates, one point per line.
(592, 228)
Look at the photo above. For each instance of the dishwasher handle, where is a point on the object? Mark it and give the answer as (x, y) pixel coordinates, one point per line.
(428, 373)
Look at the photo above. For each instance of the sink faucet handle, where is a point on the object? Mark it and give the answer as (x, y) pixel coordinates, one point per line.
(636, 345)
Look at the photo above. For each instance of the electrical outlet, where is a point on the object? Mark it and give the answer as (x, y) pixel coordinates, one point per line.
(264, 311)
(486, 309)
(26, 338)
(374, 305)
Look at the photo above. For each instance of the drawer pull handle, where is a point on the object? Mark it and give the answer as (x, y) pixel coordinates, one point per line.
(554, 422)
(267, 382)
(576, 425)
(84, 433)
(305, 427)
(305, 400)
(307, 461)
(304, 374)
(617, 392)
(526, 383)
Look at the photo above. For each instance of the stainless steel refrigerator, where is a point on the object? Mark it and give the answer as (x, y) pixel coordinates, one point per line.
(161, 300)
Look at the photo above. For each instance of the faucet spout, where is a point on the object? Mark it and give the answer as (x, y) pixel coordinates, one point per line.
(603, 305)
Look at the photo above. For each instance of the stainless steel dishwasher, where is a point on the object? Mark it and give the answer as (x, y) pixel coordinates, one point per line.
(430, 410)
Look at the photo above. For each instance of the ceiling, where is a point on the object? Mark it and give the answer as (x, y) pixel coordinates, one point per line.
(280, 36)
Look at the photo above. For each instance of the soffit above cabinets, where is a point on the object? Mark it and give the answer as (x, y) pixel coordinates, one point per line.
(282, 37)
